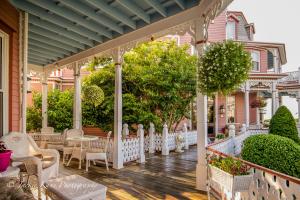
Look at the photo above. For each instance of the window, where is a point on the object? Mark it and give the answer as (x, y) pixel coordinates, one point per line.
(230, 30)
(230, 114)
(270, 57)
(255, 55)
(3, 83)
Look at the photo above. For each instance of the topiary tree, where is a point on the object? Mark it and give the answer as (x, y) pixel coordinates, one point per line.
(92, 94)
(274, 152)
(283, 124)
(223, 67)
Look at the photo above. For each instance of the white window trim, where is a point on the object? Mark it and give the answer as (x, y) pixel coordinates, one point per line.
(226, 33)
(259, 61)
(5, 76)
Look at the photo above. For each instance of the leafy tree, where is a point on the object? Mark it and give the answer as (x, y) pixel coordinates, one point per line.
(158, 83)
(223, 67)
(34, 114)
(283, 124)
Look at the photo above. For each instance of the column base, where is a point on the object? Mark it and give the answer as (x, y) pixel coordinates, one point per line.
(118, 165)
(165, 152)
(142, 159)
(201, 177)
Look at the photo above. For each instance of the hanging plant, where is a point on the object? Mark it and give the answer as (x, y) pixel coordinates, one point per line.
(259, 103)
(93, 94)
(223, 67)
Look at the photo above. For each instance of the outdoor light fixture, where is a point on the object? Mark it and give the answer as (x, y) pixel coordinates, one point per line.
(222, 110)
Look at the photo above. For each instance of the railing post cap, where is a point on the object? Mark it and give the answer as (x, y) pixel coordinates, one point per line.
(151, 125)
(140, 126)
(125, 125)
(165, 125)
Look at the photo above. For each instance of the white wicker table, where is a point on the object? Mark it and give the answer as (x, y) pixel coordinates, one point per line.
(75, 187)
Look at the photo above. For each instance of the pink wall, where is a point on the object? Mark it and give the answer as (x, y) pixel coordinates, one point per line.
(217, 30)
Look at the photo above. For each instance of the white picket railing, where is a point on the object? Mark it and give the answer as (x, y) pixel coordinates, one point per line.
(266, 184)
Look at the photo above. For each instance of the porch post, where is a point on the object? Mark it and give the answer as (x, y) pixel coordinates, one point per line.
(201, 168)
(43, 80)
(117, 154)
(274, 94)
(247, 104)
(216, 115)
(77, 99)
(24, 25)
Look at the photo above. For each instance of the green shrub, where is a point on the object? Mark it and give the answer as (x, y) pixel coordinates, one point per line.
(229, 165)
(274, 152)
(283, 124)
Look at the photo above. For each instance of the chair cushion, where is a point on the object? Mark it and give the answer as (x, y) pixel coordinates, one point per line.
(48, 161)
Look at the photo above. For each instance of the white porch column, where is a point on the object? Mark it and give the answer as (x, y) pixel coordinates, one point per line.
(24, 61)
(247, 88)
(77, 123)
(216, 115)
(117, 154)
(274, 94)
(44, 79)
(201, 116)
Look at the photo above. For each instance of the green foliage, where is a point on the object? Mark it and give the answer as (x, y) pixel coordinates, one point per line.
(158, 84)
(283, 124)
(229, 165)
(223, 67)
(220, 136)
(274, 152)
(60, 111)
(93, 95)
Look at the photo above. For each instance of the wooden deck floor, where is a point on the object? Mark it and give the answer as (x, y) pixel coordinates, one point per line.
(161, 177)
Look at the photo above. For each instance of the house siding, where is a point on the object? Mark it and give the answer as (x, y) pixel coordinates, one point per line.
(9, 23)
(217, 29)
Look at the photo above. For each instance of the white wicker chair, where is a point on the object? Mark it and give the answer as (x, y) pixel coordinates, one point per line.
(43, 163)
(69, 146)
(95, 154)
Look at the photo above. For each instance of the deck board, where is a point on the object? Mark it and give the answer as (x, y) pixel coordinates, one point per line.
(161, 177)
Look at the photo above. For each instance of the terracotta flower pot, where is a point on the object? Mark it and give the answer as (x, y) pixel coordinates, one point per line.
(5, 160)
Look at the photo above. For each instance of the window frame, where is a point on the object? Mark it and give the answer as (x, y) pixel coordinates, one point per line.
(234, 30)
(5, 77)
(259, 61)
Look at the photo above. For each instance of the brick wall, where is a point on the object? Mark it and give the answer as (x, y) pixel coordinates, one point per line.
(9, 23)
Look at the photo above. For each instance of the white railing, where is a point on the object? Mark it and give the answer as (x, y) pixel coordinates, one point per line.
(100, 144)
(266, 184)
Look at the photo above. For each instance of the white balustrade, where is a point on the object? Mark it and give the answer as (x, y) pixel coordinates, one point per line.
(130, 149)
(125, 131)
(151, 146)
(185, 133)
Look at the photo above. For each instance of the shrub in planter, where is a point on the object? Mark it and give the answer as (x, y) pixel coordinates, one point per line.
(283, 124)
(274, 152)
(231, 174)
(4, 157)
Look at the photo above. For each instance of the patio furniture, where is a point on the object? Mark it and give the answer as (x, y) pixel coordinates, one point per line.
(69, 145)
(57, 141)
(75, 187)
(10, 172)
(79, 152)
(98, 154)
(47, 130)
(42, 163)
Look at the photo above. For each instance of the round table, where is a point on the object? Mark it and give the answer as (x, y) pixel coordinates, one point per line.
(80, 139)
(10, 172)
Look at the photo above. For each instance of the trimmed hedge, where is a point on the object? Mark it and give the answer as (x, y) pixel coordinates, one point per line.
(283, 124)
(274, 152)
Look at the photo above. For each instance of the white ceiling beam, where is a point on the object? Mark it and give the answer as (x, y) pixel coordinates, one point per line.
(180, 3)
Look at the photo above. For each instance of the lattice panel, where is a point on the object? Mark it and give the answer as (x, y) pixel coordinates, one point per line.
(130, 149)
(172, 141)
(192, 137)
(158, 142)
(146, 143)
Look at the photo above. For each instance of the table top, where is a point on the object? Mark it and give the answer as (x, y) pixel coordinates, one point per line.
(10, 172)
(82, 138)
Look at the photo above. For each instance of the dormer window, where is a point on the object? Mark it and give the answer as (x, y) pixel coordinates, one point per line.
(230, 30)
(271, 66)
(255, 55)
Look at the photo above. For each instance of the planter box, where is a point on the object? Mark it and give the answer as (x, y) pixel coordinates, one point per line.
(230, 182)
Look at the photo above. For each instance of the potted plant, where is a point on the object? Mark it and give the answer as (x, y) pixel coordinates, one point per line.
(220, 136)
(232, 175)
(4, 157)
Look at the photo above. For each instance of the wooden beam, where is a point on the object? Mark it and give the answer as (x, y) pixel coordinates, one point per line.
(88, 11)
(130, 5)
(43, 14)
(180, 3)
(62, 31)
(158, 7)
(107, 9)
(72, 16)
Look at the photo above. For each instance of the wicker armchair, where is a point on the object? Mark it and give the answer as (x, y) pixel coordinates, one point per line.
(43, 163)
(47, 130)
